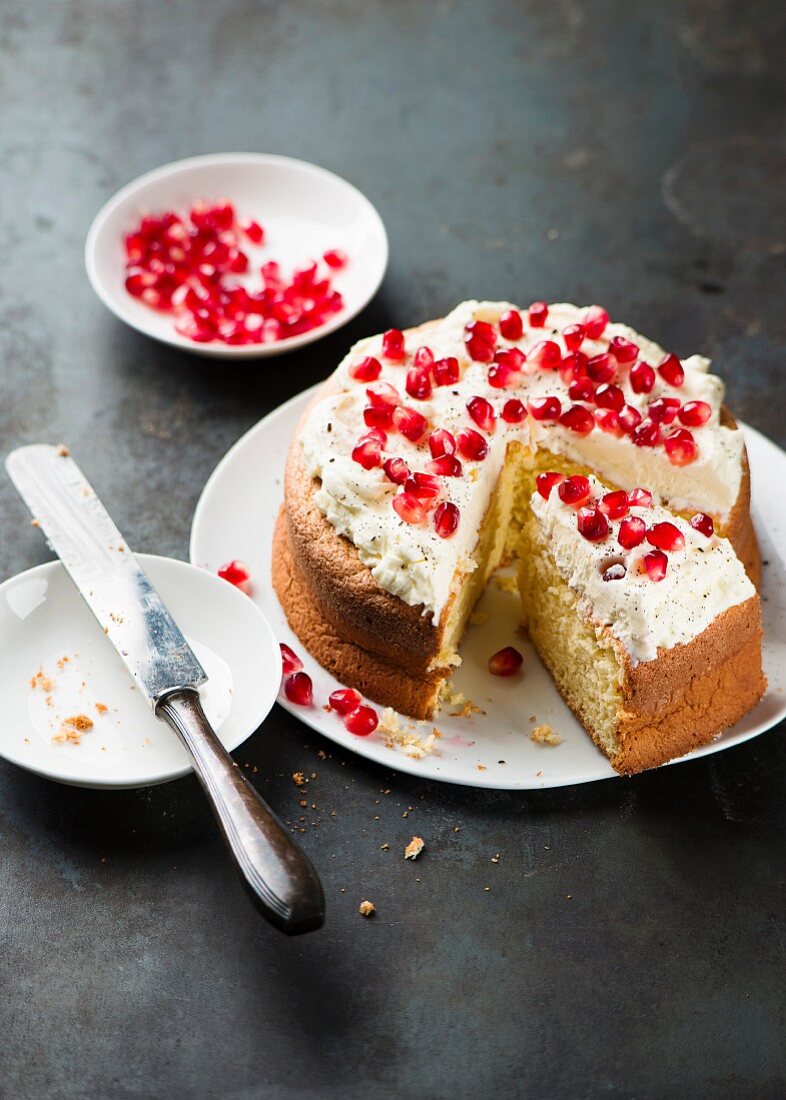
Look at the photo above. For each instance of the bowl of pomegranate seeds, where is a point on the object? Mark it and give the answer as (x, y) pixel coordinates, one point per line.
(237, 255)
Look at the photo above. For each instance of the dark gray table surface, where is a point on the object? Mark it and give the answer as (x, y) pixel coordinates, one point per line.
(632, 942)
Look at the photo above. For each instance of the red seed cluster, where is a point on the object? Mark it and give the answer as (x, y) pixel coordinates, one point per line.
(189, 266)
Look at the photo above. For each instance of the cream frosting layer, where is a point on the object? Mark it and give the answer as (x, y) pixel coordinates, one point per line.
(412, 561)
(701, 581)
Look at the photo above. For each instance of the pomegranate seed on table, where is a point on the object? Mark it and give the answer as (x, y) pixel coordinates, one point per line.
(511, 325)
(631, 533)
(441, 442)
(615, 505)
(290, 662)
(505, 662)
(545, 408)
(446, 372)
(396, 470)
(671, 370)
(335, 258)
(545, 354)
(695, 413)
(642, 377)
(702, 523)
(393, 344)
(592, 524)
(573, 335)
(237, 573)
(412, 424)
(299, 689)
(446, 519)
(482, 412)
(574, 490)
(361, 721)
(578, 419)
(409, 508)
(366, 369)
(664, 410)
(681, 447)
(471, 444)
(345, 700)
(595, 320)
(623, 350)
(445, 466)
(601, 368)
(418, 383)
(538, 312)
(666, 536)
(655, 564)
(640, 498)
(513, 411)
(480, 339)
(545, 482)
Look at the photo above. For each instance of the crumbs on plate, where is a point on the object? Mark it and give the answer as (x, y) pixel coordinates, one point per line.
(545, 735)
(73, 729)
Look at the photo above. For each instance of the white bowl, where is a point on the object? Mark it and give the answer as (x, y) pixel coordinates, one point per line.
(304, 210)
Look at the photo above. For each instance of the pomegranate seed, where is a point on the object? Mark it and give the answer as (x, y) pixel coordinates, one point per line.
(646, 434)
(471, 445)
(592, 524)
(446, 466)
(396, 470)
(670, 369)
(666, 537)
(505, 662)
(574, 490)
(254, 231)
(237, 573)
(573, 366)
(299, 689)
(368, 454)
(609, 396)
(615, 505)
(446, 371)
(601, 368)
(481, 341)
(366, 369)
(702, 523)
(345, 700)
(335, 258)
(624, 351)
(138, 281)
(664, 410)
(695, 413)
(581, 390)
(512, 358)
(513, 411)
(545, 354)
(383, 396)
(631, 533)
(573, 336)
(423, 358)
(538, 312)
(511, 325)
(378, 417)
(642, 377)
(608, 421)
(655, 564)
(499, 375)
(545, 408)
(578, 419)
(362, 721)
(446, 519)
(615, 572)
(681, 447)
(409, 508)
(393, 344)
(410, 423)
(640, 498)
(482, 412)
(441, 442)
(629, 418)
(418, 383)
(290, 662)
(425, 487)
(595, 320)
(546, 482)
(375, 433)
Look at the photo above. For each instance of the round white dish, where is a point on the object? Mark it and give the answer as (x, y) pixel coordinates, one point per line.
(58, 664)
(305, 210)
(235, 518)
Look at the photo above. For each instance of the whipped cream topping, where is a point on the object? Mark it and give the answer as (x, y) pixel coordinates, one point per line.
(412, 561)
(701, 581)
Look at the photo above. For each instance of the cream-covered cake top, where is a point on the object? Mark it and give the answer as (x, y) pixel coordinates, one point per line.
(410, 446)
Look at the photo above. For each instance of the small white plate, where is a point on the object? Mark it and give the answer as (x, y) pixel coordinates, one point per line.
(305, 210)
(235, 518)
(58, 664)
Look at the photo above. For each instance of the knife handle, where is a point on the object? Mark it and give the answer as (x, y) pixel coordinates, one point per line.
(279, 876)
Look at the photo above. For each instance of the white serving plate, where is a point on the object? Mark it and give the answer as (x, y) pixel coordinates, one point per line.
(305, 210)
(45, 624)
(235, 518)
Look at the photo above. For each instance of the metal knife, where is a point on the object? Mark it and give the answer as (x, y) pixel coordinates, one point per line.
(279, 876)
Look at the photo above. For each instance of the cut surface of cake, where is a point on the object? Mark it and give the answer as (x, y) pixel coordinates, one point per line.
(413, 475)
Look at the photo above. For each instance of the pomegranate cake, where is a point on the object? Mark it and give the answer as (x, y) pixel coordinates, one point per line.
(607, 467)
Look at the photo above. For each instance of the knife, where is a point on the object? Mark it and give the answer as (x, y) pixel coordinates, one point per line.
(279, 876)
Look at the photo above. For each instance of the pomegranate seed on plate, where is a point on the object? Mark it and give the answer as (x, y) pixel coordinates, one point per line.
(640, 498)
(299, 689)
(545, 408)
(681, 447)
(695, 413)
(664, 410)
(545, 482)
(446, 372)
(393, 344)
(335, 258)
(410, 423)
(383, 395)
(290, 662)
(592, 524)
(511, 325)
(419, 383)
(670, 369)
(366, 369)
(513, 411)
(574, 490)
(471, 444)
(702, 523)
(538, 312)
(445, 466)
(545, 354)
(642, 377)
(481, 341)
(396, 470)
(368, 454)
(578, 419)
(615, 505)
(345, 700)
(573, 335)
(505, 662)
(446, 519)
(409, 508)
(595, 320)
(441, 442)
(608, 421)
(666, 536)
(631, 533)
(482, 412)
(624, 351)
(237, 573)
(601, 368)
(609, 396)
(655, 563)
(646, 434)
(362, 721)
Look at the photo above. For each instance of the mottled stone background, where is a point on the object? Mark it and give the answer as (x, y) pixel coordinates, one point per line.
(631, 154)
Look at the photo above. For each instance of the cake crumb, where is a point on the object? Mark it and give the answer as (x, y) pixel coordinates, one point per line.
(404, 739)
(41, 680)
(384, 847)
(63, 451)
(367, 909)
(298, 779)
(102, 708)
(72, 729)
(35, 522)
(414, 848)
(545, 735)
